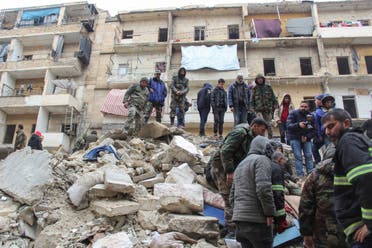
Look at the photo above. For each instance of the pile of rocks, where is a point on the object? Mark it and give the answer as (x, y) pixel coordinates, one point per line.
(156, 186)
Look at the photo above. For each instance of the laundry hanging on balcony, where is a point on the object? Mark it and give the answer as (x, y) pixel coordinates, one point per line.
(300, 26)
(265, 28)
(64, 83)
(221, 58)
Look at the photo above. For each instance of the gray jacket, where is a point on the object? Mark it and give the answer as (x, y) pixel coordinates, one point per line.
(251, 195)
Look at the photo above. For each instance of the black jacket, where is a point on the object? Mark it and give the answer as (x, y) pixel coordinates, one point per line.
(219, 99)
(35, 142)
(277, 180)
(353, 181)
(295, 131)
(204, 97)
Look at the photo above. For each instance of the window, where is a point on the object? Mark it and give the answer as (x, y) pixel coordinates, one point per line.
(233, 31)
(9, 134)
(368, 64)
(311, 101)
(364, 22)
(161, 66)
(27, 57)
(199, 33)
(127, 34)
(163, 35)
(123, 69)
(306, 68)
(269, 67)
(349, 105)
(343, 65)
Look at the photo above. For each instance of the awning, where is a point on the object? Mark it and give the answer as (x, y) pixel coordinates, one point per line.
(113, 103)
(300, 26)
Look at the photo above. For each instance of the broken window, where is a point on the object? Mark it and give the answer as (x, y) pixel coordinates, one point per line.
(199, 33)
(349, 105)
(306, 68)
(161, 66)
(163, 35)
(343, 65)
(9, 134)
(269, 67)
(127, 34)
(311, 101)
(368, 64)
(123, 69)
(27, 57)
(233, 31)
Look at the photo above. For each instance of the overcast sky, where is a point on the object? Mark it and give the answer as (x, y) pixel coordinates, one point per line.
(113, 6)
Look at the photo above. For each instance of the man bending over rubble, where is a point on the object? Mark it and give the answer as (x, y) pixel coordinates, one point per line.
(233, 150)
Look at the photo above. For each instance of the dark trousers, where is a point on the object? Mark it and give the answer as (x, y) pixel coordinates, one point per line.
(219, 116)
(254, 235)
(283, 131)
(240, 115)
(203, 113)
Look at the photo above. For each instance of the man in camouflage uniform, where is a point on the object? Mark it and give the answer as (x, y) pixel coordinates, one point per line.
(317, 218)
(233, 150)
(179, 89)
(263, 101)
(135, 99)
(21, 138)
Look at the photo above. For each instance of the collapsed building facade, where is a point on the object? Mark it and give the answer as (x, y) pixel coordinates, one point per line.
(65, 67)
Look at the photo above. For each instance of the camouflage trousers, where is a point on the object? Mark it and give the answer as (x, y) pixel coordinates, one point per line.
(268, 117)
(219, 178)
(148, 110)
(135, 115)
(180, 104)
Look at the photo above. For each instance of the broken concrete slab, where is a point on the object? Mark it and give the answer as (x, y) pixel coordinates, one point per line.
(111, 208)
(154, 130)
(149, 203)
(194, 226)
(184, 151)
(181, 174)
(100, 190)
(150, 220)
(213, 199)
(8, 206)
(180, 198)
(4, 224)
(138, 144)
(27, 215)
(118, 180)
(25, 174)
(149, 183)
(108, 158)
(27, 230)
(117, 240)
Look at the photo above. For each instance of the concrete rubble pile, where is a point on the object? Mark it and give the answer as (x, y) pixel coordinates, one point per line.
(153, 195)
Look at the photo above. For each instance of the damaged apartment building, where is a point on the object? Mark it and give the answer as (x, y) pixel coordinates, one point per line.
(303, 48)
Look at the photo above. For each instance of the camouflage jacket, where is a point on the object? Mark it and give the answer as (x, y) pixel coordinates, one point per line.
(137, 96)
(263, 99)
(316, 213)
(20, 141)
(235, 147)
(179, 84)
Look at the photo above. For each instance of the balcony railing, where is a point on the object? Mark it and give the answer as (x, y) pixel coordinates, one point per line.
(8, 91)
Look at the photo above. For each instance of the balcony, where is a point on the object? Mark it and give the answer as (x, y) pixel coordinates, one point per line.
(57, 103)
(130, 46)
(64, 67)
(53, 141)
(14, 105)
(346, 35)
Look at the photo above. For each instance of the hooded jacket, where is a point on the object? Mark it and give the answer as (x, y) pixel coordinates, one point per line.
(180, 83)
(204, 97)
(35, 142)
(263, 98)
(251, 195)
(159, 91)
(233, 95)
(219, 99)
(278, 112)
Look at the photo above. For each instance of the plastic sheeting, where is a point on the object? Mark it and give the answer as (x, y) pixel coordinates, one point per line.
(113, 103)
(92, 154)
(34, 14)
(266, 28)
(300, 26)
(221, 58)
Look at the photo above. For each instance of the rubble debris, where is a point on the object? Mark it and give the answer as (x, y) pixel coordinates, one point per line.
(8, 206)
(185, 151)
(149, 183)
(27, 215)
(154, 130)
(172, 239)
(151, 220)
(100, 190)
(180, 198)
(117, 240)
(117, 180)
(213, 199)
(25, 174)
(149, 203)
(182, 174)
(114, 208)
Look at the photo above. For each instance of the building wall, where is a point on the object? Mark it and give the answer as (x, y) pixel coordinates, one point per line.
(144, 30)
(344, 15)
(331, 57)
(362, 52)
(26, 120)
(38, 52)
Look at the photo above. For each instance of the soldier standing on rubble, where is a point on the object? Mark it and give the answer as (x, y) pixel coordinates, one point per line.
(233, 150)
(179, 89)
(135, 99)
(352, 177)
(263, 101)
(158, 93)
(317, 217)
(20, 141)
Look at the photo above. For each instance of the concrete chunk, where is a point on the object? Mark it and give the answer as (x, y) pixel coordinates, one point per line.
(150, 220)
(180, 198)
(184, 151)
(100, 190)
(114, 208)
(117, 240)
(154, 130)
(149, 203)
(24, 174)
(8, 206)
(27, 215)
(182, 174)
(119, 181)
(149, 183)
(150, 173)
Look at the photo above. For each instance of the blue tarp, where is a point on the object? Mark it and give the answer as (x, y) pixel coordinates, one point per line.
(214, 212)
(33, 14)
(92, 154)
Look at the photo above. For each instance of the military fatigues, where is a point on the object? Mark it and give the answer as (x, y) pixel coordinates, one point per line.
(20, 141)
(263, 102)
(178, 101)
(136, 97)
(317, 216)
(277, 180)
(234, 149)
